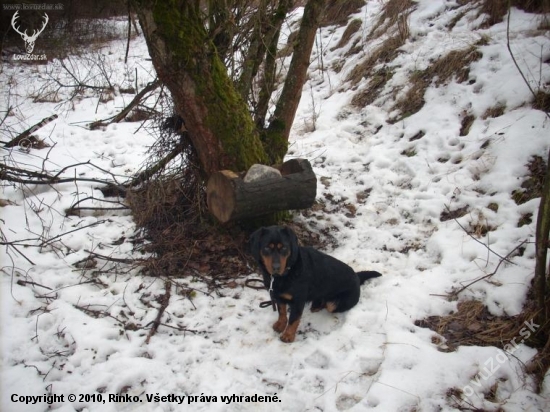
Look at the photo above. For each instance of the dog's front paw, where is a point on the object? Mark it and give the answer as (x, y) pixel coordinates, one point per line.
(288, 337)
(279, 326)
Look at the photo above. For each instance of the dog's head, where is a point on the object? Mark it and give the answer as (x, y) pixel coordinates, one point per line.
(275, 248)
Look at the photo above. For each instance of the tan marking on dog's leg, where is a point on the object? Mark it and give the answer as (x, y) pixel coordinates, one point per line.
(290, 332)
(286, 296)
(280, 325)
(332, 306)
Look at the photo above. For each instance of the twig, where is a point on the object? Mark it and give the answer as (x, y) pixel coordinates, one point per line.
(135, 101)
(96, 313)
(18, 175)
(477, 240)
(115, 202)
(12, 245)
(129, 33)
(163, 306)
(514, 58)
(504, 259)
(26, 282)
(161, 164)
(99, 222)
(176, 328)
(112, 259)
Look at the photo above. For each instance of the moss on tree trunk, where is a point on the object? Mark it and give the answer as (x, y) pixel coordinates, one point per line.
(215, 113)
(217, 118)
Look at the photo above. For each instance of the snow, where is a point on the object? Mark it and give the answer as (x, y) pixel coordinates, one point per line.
(370, 358)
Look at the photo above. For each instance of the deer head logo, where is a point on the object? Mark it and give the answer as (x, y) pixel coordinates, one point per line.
(29, 40)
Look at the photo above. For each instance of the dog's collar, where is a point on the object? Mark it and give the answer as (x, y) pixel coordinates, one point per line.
(272, 295)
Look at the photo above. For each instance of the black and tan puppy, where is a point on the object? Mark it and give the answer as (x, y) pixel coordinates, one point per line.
(295, 275)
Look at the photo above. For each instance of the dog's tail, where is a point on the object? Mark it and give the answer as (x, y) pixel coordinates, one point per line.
(366, 275)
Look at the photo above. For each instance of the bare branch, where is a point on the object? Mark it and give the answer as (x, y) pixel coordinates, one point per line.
(17, 140)
(165, 300)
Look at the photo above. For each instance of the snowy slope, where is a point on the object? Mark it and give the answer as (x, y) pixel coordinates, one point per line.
(381, 195)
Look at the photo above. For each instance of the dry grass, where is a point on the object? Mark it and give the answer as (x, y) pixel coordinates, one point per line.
(533, 184)
(394, 20)
(494, 10)
(337, 12)
(495, 111)
(385, 53)
(353, 27)
(473, 325)
(542, 101)
(392, 12)
(460, 15)
(368, 95)
(455, 64)
(533, 6)
(180, 239)
(466, 123)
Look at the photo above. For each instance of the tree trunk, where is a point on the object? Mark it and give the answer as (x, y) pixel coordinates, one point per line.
(267, 82)
(266, 33)
(541, 282)
(297, 72)
(230, 198)
(186, 61)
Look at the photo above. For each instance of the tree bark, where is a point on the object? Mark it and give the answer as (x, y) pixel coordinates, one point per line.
(230, 198)
(267, 83)
(266, 33)
(541, 282)
(216, 115)
(186, 61)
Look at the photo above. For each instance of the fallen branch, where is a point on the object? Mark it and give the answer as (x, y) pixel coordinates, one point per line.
(26, 282)
(18, 175)
(74, 209)
(111, 259)
(135, 101)
(4, 241)
(44, 242)
(17, 140)
(148, 173)
(96, 313)
(164, 304)
(179, 328)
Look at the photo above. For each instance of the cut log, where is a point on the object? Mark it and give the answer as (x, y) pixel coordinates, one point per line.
(230, 198)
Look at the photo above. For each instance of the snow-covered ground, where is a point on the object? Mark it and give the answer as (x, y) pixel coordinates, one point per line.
(381, 195)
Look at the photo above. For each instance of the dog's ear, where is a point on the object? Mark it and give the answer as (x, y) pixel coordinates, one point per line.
(294, 247)
(254, 243)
